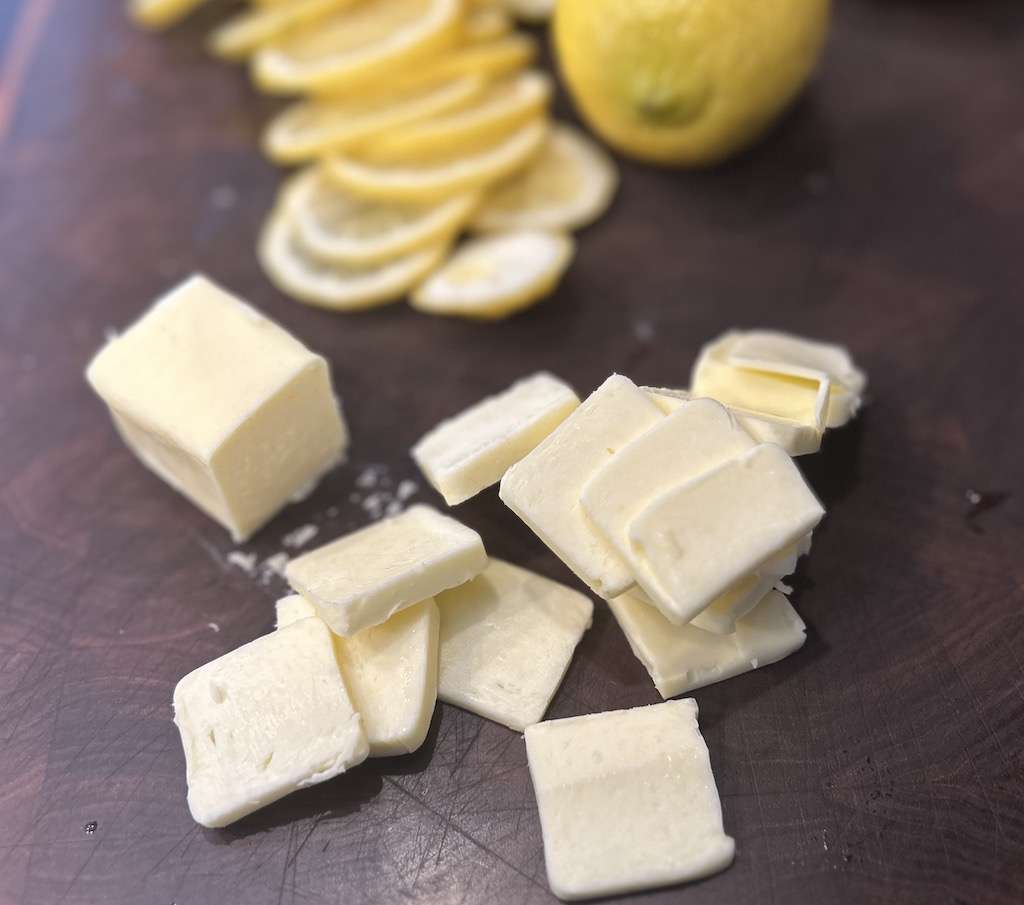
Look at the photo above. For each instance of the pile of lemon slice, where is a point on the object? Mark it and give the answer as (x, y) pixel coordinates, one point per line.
(413, 122)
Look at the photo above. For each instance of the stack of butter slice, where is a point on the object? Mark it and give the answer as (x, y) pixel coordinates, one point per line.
(384, 621)
(681, 519)
(418, 120)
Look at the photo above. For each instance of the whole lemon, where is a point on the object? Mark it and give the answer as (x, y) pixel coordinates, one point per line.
(686, 82)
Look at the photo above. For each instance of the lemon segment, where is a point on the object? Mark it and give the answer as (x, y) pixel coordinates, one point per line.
(334, 226)
(310, 129)
(353, 47)
(160, 13)
(244, 33)
(492, 277)
(569, 184)
(336, 286)
(485, 23)
(500, 109)
(420, 182)
(689, 82)
(534, 11)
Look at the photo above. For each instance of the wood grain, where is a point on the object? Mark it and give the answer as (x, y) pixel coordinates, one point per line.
(882, 763)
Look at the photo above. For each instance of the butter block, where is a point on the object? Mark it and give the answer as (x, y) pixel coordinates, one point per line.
(471, 451)
(697, 437)
(722, 615)
(695, 541)
(627, 801)
(680, 658)
(364, 578)
(507, 638)
(221, 403)
(544, 488)
(794, 437)
(264, 720)
(390, 671)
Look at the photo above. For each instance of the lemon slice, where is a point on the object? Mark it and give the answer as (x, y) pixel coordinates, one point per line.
(160, 13)
(502, 108)
(245, 32)
(336, 227)
(429, 181)
(484, 23)
(567, 185)
(530, 10)
(337, 286)
(354, 46)
(495, 276)
(312, 128)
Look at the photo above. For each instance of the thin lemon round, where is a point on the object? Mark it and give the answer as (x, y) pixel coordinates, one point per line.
(419, 182)
(686, 82)
(485, 23)
(336, 286)
(308, 129)
(494, 276)
(569, 184)
(534, 11)
(334, 226)
(245, 32)
(160, 13)
(503, 107)
(356, 46)
(487, 59)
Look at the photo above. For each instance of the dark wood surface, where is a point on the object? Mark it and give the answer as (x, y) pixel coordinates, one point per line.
(882, 763)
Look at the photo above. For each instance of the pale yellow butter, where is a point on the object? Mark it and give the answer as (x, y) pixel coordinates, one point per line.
(222, 403)
(390, 671)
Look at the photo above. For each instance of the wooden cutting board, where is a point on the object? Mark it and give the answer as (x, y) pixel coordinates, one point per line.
(882, 763)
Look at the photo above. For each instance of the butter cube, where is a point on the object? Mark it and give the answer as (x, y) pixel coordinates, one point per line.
(544, 488)
(507, 638)
(680, 658)
(221, 403)
(264, 720)
(467, 453)
(390, 671)
(364, 578)
(695, 541)
(627, 801)
(794, 437)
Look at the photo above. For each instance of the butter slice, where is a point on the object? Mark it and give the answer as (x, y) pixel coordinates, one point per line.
(722, 615)
(697, 540)
(697, 437)
(627, 801)
(390, 671)
(680, 658)
(507, 638)
(221, 403)
(264, 720)
(544, 488)
(364, 578)
(794, 437)
(467, 453)
(783, 353)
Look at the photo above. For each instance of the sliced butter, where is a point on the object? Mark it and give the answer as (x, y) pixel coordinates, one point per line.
(390, 671)
(221, 403)
(364, 578)
(680, 658)
(507, 638)
(794, 437)
(471, 451)
(544, 488)
(264, 720)
(697, 540)
(627, 801)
